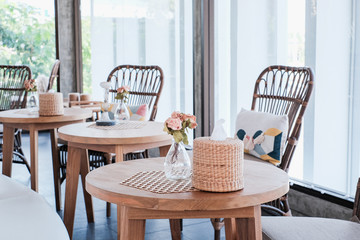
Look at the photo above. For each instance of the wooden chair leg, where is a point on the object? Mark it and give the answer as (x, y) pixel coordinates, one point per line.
(285, 202)
(217, 224)
(108, 157)
(175, 227)
(108, 209)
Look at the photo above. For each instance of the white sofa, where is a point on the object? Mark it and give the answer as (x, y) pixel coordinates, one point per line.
(24, 214)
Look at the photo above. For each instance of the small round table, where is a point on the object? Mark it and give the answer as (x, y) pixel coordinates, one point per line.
(83, 136)
(263, 183)
(31, 121)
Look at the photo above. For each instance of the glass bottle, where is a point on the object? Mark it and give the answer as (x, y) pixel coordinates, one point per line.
(122, 112)
(177, 162)
(32, 102)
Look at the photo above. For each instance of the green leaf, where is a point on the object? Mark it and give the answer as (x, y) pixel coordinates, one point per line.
(178, 137)
(185, 138)
(166, 129)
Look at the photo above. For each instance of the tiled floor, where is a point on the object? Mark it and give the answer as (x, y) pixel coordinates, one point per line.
(103, 228)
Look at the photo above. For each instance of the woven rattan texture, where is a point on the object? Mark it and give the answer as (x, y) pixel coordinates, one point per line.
(218, 165)
(51, 104)
(156, 182)
(121, 125)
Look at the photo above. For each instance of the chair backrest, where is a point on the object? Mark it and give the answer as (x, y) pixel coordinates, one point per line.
(356, 209)
(284, 90)
(12, 91)
(54, 74)
(145, 84)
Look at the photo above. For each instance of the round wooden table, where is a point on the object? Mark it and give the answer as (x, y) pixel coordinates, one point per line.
(83, 136)
(262, 182)
(24, 119)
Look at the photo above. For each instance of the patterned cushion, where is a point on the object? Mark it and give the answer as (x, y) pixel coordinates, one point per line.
(111, 110)
(138, 112)
(264, 134)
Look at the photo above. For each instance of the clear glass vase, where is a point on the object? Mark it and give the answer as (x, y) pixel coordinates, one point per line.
(177, 162)
(32, 102)
(122, 112)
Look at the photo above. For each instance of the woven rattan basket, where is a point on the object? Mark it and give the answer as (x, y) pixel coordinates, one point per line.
(218, 165)
(51, 104)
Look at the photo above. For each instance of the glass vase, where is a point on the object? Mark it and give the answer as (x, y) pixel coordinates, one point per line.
(32, 102)
(122, 112)
(177, 162)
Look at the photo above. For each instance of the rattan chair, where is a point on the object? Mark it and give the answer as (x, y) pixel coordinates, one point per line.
(54, 74)
(145, 84)
(13, 96)
(284, 90)
(299, 228)
(281, 90)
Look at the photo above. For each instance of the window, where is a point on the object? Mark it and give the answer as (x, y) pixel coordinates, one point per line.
(27, 35)
(140, 32)
(251, 35)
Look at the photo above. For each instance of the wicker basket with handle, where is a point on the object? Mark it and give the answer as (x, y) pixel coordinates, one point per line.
(218, 166)
(51, 104)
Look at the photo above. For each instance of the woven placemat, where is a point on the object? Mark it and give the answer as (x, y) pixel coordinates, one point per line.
(156, 182)
(27, 111)
(121, 125)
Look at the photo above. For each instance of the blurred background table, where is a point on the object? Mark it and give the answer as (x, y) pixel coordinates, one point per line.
(133, 136)
(31, 121)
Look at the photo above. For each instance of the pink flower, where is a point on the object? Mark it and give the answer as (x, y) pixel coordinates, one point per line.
(190, 117)
(176, 114)
(29, 85)
(192, 120)
(193, 125)
(123, 89)
(173, 123)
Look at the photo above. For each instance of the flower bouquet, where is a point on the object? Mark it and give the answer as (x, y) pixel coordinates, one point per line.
(32, 101)
(30, 85)
(177, 162)
(122, 93)
(122, 112)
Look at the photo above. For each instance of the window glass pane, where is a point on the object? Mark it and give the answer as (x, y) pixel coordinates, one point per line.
(140, 32)
(251, 35)
(27, 35)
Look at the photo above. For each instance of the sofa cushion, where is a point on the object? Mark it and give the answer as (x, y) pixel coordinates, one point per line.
(300, 228)
(24, 214)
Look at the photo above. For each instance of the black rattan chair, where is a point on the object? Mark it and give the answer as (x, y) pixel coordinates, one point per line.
(13, 96)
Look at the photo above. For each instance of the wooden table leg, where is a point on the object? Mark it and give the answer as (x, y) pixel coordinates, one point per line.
(72, 180)
(119, 154)
(133, 229)
(250, 228)
(8, 148)
(164, 150)
(230, 228)
(175, 224)
(84, 170)
(34, 139)
(119, 157)
(56, 168)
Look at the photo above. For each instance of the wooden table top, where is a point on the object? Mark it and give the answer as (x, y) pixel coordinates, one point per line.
(82, 133)
(24, 116)
(262, 183)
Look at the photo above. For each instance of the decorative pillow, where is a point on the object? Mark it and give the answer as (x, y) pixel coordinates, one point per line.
(138, 112)
(263, 134)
